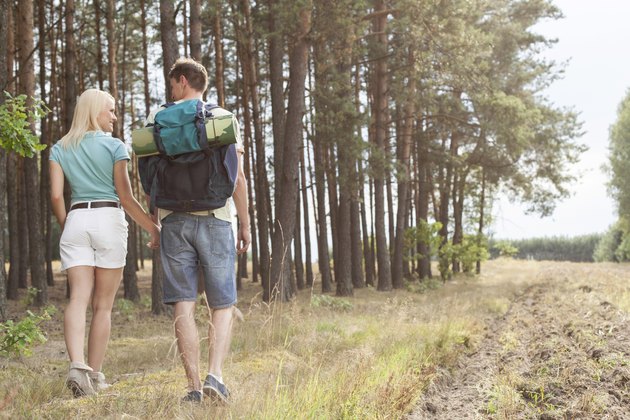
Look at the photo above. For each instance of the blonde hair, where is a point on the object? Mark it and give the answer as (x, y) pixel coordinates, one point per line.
(89, 105)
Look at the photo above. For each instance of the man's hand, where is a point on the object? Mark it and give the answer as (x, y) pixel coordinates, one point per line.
(244, 239)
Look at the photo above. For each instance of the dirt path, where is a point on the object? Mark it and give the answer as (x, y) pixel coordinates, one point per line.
(561, 351)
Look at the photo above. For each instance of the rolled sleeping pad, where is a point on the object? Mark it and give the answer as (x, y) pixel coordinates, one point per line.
(222, 129)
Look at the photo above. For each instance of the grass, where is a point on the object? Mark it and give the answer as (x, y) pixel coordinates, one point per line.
(317, 357)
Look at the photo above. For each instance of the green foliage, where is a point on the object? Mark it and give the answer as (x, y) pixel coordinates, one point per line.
(423, 232)
(331, 302)
(619, 146)
(614, 245)
(506, 249)
(470, 251)
(29, 298)
(125, 307)
(445, 257)
(423, 286)
(18, 338)
(16, 116)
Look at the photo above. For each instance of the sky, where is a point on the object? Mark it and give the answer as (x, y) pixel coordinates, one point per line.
(594, 37)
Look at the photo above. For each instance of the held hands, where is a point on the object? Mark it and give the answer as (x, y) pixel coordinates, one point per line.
(155, 238)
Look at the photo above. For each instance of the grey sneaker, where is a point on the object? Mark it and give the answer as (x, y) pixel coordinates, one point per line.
(78, 380)
(98, 381)
(193, 396)
(216, 390)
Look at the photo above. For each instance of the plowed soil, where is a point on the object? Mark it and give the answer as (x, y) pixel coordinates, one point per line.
(561, 350)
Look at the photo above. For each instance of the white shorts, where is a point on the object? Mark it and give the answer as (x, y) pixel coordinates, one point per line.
(94, 237)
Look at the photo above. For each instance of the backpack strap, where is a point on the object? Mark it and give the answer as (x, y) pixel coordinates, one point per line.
(200, 123)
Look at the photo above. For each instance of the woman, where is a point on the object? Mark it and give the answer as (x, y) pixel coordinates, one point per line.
(93, 243)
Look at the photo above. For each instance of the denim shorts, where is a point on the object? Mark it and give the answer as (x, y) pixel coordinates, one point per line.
(94, 237)
(191, 244)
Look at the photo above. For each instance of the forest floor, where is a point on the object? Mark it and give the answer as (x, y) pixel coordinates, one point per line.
(560, 351)
(523, 340)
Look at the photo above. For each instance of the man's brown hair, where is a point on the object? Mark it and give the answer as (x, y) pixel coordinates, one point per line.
(194, 72)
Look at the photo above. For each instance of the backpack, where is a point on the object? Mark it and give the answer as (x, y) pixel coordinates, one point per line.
(189, 173)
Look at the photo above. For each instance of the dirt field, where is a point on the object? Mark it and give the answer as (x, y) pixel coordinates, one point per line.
(561, 350)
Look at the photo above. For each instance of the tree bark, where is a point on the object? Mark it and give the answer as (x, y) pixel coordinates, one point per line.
(285, 207)
(195, 29)
(322, 237)
(404, 153)
(379, 110)
(250, 74)
(31, 167)
(4, 27)
(422, 204)
(307, 233)
(168, 36)
(46, 140)
(276, 87)
(218, 51)
(99, 43)
(17, 236)
(297, 243)
(157, 279)
(482, 204)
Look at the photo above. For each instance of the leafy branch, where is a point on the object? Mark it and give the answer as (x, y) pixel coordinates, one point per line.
(16, 116)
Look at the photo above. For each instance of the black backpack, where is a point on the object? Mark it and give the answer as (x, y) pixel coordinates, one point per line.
(194, 181)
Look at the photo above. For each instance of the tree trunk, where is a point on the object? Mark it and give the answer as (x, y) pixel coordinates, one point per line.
(404, 153)
(250, 75)
(307, 228)
(285, 207)
(4, 75)
(70, 65)
(380, 87)
(22, 207)
(482, 204)
(322, 237)
(12, 178)
(31, 167)
(168, 36)
(343, 263)
(297, 243)
(3, 168)
(44, 139)
(422, 204)
(112, 62)
(368, 255)
(333, 201)
(145, 58)
(250, 172)
(157, 279)
(276, 87)
(15, 240)
(99, 43)
(195, 29)
(459, 184)
(218, 51)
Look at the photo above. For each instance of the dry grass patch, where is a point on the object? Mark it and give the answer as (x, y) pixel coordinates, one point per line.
(368, 356)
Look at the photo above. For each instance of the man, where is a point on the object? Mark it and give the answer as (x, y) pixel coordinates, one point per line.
(201, 241)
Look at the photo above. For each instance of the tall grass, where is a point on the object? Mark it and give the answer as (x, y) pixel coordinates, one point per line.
(369, 356)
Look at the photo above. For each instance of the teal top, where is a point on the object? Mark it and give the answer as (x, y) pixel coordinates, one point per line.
(89, 167)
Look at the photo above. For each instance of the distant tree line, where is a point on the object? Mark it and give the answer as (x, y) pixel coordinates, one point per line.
(361, 120)
(555, 248)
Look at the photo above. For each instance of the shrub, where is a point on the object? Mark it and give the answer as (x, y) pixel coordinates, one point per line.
(506, 249)
(18, 338)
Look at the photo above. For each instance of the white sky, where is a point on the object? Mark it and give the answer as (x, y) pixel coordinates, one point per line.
(594, 36)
